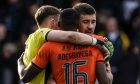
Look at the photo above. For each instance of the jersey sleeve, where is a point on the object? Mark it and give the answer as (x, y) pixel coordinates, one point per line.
(100, 57)
(42, 57)
(43, 33)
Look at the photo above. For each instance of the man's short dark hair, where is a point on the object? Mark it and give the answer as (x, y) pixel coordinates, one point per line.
(84, 8)
(44, 12)
(69, 19)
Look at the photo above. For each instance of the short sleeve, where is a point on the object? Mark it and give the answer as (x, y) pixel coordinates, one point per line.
(45, 32)
(100, 57)
(42, 57)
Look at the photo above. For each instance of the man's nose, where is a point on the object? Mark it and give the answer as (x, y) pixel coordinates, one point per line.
(90, 26)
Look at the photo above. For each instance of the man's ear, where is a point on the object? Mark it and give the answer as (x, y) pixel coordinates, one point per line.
(52, 22)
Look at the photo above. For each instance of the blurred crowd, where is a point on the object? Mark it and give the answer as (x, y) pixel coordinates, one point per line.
(118, 20)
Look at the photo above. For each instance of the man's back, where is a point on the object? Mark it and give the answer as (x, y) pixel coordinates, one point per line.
(70, 63)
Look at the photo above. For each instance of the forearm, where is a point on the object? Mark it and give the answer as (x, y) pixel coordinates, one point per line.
(26, 73)
(21, 66)
(82, 39)
(71, 37)
(20, 69)
(101, 74)
(29, 73)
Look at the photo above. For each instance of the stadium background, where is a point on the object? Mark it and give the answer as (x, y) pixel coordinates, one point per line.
(116, 19)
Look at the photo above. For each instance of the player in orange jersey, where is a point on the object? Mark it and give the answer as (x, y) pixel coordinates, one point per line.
(88, 23)
(71, 64)
(87, 26)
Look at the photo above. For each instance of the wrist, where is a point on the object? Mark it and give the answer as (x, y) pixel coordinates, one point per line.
(94, 41)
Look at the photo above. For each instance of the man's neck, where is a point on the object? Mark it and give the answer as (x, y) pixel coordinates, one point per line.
(46, 26)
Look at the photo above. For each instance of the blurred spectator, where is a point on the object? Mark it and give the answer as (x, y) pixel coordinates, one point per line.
(134, 29)
(10, 68)
(2, 42)
(13, 19)
(115, 6)
(102, 17)
(2, 32)
(121, 43)
(130, 65)
(128, 7)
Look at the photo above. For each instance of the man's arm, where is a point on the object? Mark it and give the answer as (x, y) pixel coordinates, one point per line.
(103, 70)
(71, 37)
(38, 63)
(101, 73)
(30, 72)
(82, 39)
(26, 74)
(20, 65)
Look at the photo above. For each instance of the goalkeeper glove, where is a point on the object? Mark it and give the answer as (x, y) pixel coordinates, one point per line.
(106, 48)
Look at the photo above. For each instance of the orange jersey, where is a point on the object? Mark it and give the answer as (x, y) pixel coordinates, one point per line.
(71, 64)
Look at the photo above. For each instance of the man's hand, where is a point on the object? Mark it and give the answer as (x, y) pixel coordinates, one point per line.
(106, 48)
(110, 46)
(20, 64)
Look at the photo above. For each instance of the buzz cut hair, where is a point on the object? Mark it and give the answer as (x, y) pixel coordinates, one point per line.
(84, 8)
(69, 19)
(44, 12)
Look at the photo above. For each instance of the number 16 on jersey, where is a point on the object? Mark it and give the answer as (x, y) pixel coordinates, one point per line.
(75, 74)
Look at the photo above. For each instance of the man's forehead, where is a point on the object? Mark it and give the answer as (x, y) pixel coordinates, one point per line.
(88, 16)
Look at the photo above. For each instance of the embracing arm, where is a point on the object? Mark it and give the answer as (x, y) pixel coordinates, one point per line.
(103, 75)
(82, 39)
(71, 37)
(38, 63)
(27, 74)
(103, 70)
(20, 65)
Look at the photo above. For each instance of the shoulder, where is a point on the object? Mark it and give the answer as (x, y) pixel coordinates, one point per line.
(40, 34)
(94, 49)
(29, 38)
(98, 37)
(42, 30)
